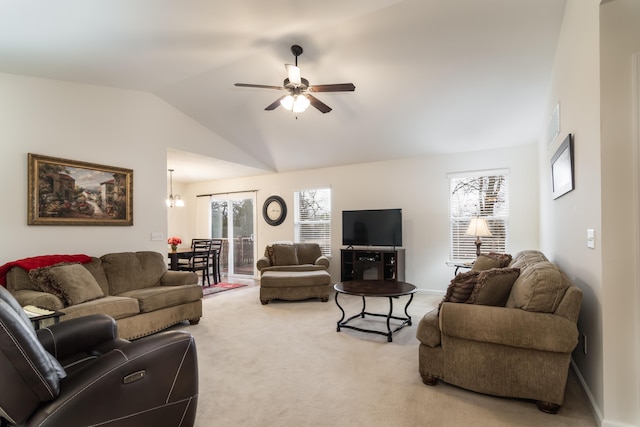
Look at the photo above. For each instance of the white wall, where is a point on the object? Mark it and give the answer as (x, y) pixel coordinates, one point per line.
(98, 125)
(418, 186)
(592, 81)
(564, 221)
(619, 41)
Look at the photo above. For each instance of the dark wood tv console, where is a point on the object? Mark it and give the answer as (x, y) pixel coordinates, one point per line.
(371, 264)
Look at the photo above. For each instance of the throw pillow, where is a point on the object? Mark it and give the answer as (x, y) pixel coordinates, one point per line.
(285, 255)
(491, 260)
(493, 286)
(539, 288)
(460, 288)
(71, 283)
(269, 253)
(42, 279)
(77, 284)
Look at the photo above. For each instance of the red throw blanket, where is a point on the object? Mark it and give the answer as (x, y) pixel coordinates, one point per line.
(39, 262)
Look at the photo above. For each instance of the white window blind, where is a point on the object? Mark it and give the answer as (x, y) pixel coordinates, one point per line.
(312, 219)
(480, 194)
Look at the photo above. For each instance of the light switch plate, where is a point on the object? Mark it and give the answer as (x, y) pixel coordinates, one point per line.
(591, 238)
(157, 235)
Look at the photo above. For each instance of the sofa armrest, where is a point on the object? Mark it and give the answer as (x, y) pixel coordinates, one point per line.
(82, 334)
(508, 326)
(177, 278)
(262, 263)
(39, 299)
(323, 261)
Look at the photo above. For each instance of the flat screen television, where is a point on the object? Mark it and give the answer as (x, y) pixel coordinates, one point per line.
(374, 227)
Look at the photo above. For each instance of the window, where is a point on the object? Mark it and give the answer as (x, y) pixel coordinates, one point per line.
(312, 219)
(478, 194)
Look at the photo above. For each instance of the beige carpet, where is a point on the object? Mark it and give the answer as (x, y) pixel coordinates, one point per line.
(284, 364)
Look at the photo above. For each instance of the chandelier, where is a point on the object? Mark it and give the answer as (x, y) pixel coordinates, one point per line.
(173, 200)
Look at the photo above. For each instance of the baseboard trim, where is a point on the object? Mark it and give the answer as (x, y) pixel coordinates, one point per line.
(595, 409)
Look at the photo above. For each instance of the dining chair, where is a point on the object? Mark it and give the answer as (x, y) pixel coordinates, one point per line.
(199, 259)
(216, 253)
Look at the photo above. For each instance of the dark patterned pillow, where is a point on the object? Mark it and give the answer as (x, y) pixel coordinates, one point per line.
(493, 286)
(460, 288)
(491, 260)
(44, 280)
(269, 252)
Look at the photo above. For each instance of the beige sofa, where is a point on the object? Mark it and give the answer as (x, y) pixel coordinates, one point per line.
(135, 288)
(293, 272)
(511, 337)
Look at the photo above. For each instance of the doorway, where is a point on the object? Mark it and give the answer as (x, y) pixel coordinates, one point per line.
(233, 220)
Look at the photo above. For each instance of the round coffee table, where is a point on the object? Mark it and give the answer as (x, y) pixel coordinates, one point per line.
(375, 288)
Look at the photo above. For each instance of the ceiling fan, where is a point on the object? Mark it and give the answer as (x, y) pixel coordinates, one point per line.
(299, 98)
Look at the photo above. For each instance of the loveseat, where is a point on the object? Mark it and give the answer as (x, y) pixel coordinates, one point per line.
(293, 272)
(135, 288)
(507, 330)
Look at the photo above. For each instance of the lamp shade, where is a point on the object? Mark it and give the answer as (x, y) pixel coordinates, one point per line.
(478, 227)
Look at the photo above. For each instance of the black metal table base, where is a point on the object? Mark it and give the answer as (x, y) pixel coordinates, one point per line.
(406, 321)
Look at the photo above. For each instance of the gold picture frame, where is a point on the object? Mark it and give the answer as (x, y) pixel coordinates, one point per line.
(70, 192)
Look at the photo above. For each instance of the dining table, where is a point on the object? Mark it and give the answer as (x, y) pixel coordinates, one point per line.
(184, 253)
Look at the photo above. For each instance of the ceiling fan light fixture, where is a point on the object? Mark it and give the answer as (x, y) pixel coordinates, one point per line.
(295, 103)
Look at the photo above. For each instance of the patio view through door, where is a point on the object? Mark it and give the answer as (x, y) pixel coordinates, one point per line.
(233, 220)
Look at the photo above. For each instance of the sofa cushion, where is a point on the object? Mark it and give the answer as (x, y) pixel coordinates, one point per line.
(493, 286)
(127, 271)
(460, 287)
(285, 255)
(491, 260)
(279, 279)
(69, 282)
(157, 297)
(308, 253)
(76, 283)
(116, 307)
(539, 288)
(526, 258)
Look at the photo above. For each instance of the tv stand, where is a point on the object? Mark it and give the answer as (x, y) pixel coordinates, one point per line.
(371, 264)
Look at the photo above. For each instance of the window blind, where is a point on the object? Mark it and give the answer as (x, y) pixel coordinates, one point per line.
(312, 218)
(484, 195)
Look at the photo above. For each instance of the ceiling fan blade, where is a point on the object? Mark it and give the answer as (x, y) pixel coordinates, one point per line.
(275, 104)
(293, 73)
(321, 106)
(338, 87)
(258, 86)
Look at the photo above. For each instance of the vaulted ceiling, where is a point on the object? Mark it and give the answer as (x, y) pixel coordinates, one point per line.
(431, 76)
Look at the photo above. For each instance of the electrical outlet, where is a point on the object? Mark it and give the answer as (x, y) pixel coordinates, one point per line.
(584, 343)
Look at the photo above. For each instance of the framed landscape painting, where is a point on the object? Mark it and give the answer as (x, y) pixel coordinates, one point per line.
(70, 192)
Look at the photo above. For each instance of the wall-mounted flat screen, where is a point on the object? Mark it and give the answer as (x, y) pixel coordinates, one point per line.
(374, 227)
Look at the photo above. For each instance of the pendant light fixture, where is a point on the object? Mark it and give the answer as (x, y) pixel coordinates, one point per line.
(173, 200)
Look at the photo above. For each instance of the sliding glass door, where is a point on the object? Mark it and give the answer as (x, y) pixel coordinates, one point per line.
(233, 219)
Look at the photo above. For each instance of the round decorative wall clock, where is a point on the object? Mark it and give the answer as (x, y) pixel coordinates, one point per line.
(274, 210)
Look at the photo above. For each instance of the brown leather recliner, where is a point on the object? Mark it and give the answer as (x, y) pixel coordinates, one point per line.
(78, 373)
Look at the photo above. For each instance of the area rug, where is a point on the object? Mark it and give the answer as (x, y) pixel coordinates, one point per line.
(220, 287)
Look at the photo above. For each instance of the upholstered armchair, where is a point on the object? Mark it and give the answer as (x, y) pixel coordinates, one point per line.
(78, 373)
(293, 272)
